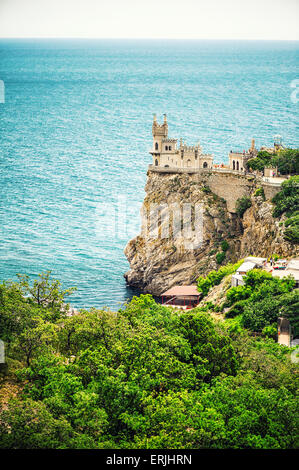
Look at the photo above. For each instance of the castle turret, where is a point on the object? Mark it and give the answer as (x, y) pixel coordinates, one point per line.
(159, 132)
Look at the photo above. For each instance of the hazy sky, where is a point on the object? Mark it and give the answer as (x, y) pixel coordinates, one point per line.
(211, 19)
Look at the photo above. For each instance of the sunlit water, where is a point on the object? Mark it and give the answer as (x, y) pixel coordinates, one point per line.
(76, 130)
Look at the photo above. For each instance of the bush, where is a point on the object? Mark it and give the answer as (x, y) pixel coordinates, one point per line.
(224, 245)
(292, 229)
(220, 257)
(237, 309)
(215, 277)
(237, 293)
(260, 192)
(287, 200)
(242, 205)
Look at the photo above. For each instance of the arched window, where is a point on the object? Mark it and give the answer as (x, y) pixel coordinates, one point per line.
(166, 147)
(205, 165)
(189, 163)
(234, 165)
(237, 165)
(156, 162)
(156, 146)
(169, 147)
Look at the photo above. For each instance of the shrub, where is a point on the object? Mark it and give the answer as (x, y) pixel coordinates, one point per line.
(260, 192)
(236, 309)
(270, 331)
(237, 293)
(292, 229)
(215, 277)
(287, 200)
(220, 257)
(224, 245)
(242, 205)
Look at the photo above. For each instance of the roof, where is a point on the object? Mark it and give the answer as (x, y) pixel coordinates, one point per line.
(246, 266)
(182, 291)
(255, 259)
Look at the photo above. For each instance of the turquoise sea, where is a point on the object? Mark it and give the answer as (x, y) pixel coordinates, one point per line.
(75, 131)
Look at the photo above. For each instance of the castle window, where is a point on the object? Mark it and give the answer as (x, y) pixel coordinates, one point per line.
(156, 162)
(237, 165)
(166, 147)
(234, 165)
(156, 146)
(205, 165)
(169, 147)
(189, 163)
(196, 154)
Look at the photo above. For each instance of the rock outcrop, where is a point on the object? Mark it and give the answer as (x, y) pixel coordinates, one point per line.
(160, 262)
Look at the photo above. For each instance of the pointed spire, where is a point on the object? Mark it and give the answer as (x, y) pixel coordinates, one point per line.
(165, 118)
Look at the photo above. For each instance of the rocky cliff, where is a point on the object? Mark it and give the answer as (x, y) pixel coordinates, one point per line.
(157, 263)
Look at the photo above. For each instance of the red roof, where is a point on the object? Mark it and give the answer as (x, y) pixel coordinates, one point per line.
(181, 291)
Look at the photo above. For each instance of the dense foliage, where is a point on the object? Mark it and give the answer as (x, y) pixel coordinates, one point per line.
(214, 278)
(262, 299)
(287, 202)
(286, 161)
(143, 377)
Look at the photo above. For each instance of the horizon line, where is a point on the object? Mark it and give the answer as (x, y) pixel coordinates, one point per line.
(148, 38)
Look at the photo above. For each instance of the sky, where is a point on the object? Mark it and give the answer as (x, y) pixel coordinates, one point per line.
(176, 19)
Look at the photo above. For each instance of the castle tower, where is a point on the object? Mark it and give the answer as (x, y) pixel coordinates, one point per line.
(159, 132)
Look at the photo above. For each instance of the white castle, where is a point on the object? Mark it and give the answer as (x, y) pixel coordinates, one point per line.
(166, 152)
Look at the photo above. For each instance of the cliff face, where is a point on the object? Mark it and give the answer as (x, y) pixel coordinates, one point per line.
(262, 233)
(158, 263)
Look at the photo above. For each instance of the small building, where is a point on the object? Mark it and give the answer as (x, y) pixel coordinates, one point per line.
(270, 172)
(237, 280)
(181, 296)
(259, 262)
(238, 160)
(246, 267)
(251, 262)
(284, 331)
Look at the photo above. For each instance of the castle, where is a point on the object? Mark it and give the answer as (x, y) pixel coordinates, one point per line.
(167, 154)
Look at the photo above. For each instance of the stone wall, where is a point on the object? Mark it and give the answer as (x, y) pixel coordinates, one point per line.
(228, 184)
(270, 190)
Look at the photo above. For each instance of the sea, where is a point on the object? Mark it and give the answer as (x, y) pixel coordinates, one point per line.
(75, 135)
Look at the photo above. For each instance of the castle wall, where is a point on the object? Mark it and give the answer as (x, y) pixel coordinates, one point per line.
(230, 187)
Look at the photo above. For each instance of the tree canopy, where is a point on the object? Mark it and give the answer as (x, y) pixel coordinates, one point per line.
(144, 376)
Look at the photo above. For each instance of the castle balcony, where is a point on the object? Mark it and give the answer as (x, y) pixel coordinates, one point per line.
(153, 151)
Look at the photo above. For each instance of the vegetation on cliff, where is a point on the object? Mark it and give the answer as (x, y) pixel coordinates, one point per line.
(287, 202)
(286, 161)
(144, 376)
